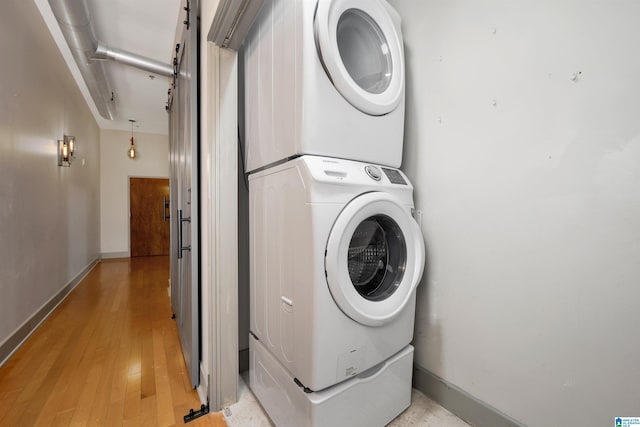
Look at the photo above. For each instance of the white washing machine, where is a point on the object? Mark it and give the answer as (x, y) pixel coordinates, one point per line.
(335, 260)
(324, 77)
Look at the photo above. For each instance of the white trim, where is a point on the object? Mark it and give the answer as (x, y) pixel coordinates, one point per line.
(220, 212)
(226, 230)
(203, 386)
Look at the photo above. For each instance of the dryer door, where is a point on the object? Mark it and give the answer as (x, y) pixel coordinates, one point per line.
(374, 259)
(360, 47)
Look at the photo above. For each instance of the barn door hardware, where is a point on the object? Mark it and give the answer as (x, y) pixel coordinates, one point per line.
(193, 414)
(181, 221)
(187, 9)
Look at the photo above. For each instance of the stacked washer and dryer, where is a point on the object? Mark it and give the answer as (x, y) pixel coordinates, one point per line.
(336, 255)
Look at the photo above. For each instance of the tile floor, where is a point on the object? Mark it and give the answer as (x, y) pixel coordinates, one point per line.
(422, 412)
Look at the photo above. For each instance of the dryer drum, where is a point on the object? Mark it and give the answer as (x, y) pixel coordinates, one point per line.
(377, 257)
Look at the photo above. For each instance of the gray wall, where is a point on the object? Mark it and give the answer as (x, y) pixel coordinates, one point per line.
(529, 180)
(49, 215)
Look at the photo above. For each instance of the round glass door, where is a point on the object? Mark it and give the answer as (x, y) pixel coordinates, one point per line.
(364, 51)
(359, 44)
(374, 258)
(377, 257)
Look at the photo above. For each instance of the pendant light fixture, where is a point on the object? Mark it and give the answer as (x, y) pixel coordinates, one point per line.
(132, 152)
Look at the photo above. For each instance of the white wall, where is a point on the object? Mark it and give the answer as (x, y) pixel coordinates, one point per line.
(49, 215)
(115, 170)
(532, 205)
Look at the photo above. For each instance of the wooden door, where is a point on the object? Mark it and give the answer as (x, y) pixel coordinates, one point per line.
(149, 216)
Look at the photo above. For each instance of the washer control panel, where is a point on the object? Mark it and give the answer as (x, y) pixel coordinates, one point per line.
(373, 172)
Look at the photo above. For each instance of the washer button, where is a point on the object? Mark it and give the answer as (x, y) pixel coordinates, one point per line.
(373, 172)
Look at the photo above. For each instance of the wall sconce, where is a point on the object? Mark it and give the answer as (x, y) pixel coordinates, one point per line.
(71, 142)
(66, 150)
(132, 152)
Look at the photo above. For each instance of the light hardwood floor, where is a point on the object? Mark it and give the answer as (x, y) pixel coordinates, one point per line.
(109, 355)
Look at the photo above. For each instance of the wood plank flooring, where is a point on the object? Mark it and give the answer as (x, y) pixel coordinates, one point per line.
(109, 355)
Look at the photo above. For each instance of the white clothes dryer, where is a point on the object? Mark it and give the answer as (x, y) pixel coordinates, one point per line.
(324, 77)
(335, 260)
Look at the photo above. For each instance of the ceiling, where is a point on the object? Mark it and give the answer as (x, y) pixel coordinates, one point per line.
(143, 27)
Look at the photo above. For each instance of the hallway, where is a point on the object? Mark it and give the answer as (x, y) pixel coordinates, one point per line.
(108, 355)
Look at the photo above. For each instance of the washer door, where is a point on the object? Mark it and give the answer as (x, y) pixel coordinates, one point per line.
(361, 50)
(374, 259)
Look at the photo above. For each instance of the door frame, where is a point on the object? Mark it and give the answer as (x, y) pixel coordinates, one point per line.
(219, 214)
(222, 263)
